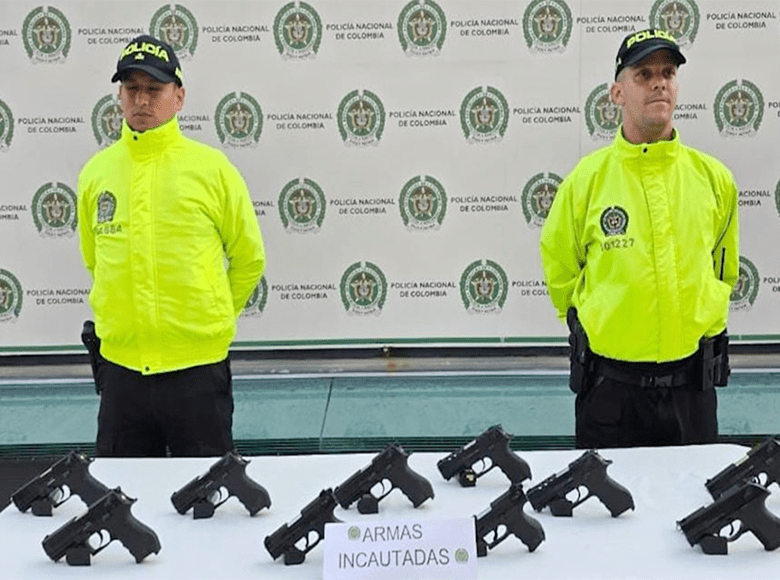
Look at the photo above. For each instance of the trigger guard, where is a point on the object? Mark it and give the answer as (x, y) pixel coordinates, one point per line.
(580, 497)
(383, 494)
(105, 539)
(58, 496)
(740, 529)
(215, 498)
(485, 467)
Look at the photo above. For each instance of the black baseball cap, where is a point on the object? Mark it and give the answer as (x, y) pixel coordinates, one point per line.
(639, 45)
(151, 55)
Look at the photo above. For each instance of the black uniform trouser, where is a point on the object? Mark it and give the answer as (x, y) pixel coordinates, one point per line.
(611, 413)
(188, 412)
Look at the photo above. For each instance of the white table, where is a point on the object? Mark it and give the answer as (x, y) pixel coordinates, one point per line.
(666, 483)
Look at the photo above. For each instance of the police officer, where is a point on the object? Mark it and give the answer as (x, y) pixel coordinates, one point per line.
(159, 216)
(640, 254)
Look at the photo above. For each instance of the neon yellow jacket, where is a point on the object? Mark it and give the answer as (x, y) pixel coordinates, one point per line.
(158, 214)
(643, 241)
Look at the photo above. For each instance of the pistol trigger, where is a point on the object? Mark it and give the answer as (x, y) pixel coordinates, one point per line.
(500, 534)
(381, 489)
(58, 496)
(580, 497)
(97, 541)
(484, 464)
(218, 496)
(735, 533)
(312, 539)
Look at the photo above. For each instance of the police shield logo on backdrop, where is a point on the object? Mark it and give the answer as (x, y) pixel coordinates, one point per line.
(547, 26)
(176, 25)
(423, 203)
(739, 108)
(538, 195)
(484, 115)
(422, 27)
(239, 120)
(363, 289)
(257, 301)
(6, 127)
(297, 31)
(107, 120)
(10, 296)
(54, 210)
(777, 197)
(680, 17)
(602, 116)
(302, 206)
(46, 34)
(483, 287)
(361, 118)
(746, 288)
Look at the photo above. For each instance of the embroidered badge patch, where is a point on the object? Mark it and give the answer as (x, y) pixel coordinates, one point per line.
(614, 221)
(106, 206)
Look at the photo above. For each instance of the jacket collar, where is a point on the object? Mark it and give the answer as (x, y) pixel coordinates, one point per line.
(659, 149)
(151, 142)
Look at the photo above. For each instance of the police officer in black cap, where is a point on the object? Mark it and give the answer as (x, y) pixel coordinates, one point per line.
(160, 216)
(640, 252)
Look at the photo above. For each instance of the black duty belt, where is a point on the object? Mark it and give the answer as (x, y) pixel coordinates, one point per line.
(622, 372)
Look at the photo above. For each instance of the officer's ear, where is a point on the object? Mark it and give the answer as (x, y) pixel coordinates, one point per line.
(179, 95)
(616, 92)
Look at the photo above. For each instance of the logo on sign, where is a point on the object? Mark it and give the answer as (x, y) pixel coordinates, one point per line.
(176, 25)
(547, 26)
(602, 116)
(46, 35)
(363, 288)
(10, 296)
(746, 288)
(423, 203)
(239, 120)
(483, 287)
(297, 31)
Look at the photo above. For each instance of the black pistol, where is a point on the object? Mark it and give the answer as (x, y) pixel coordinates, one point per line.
(311, 520)
(762, 459)
(491, 449)
(108, 515)
(226, 478)
(92, 343)
(390, 465)
(589, 471)
(580, 356)
(506, 515)
(47, 490)
(744, 502)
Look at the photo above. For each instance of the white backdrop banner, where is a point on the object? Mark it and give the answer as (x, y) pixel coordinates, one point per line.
(401, 155)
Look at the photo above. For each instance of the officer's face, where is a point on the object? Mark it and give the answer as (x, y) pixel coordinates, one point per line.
(647, 93)
(146, 102)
